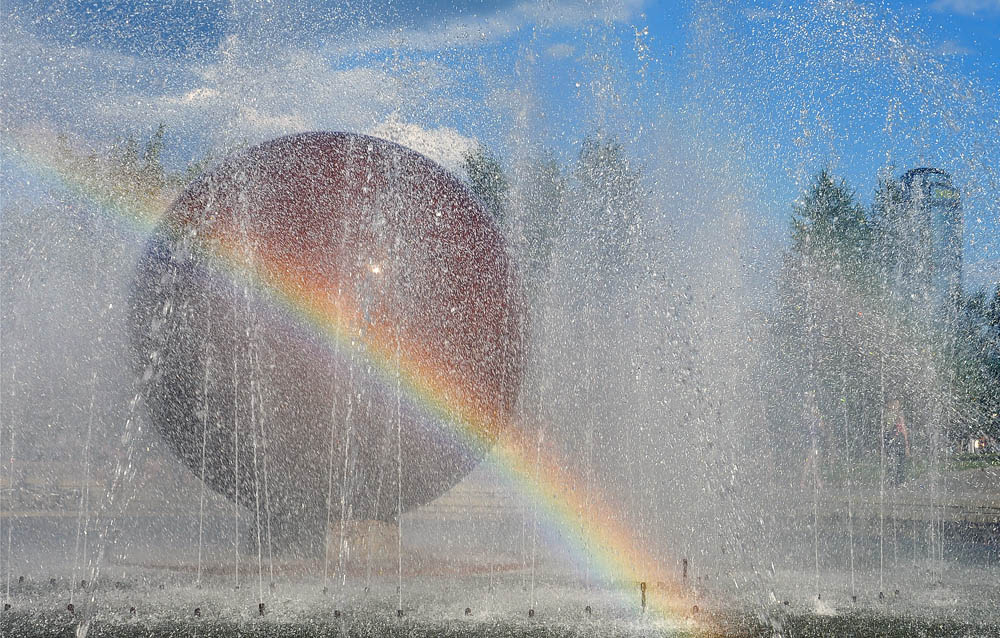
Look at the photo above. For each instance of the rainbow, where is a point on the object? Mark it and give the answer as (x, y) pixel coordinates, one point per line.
(587, 524)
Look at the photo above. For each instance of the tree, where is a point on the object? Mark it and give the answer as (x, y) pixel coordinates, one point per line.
(152, 177)
(977, 365)
(607, 201)
(136, 177)
(827, 308)
(831, 230)
(541, 192)
(488, 182)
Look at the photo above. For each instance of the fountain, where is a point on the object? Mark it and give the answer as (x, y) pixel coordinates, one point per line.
(498, 321)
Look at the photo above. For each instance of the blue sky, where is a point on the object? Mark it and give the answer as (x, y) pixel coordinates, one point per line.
(767, 91)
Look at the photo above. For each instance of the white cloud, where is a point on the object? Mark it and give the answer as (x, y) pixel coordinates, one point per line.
(199, 95)
(574, 13)
(762, 15)
(68, 85)
(292, 92)
(560, 51)
(257, 85)
(966, 7)
(444, 145)
(237, 96)
(952, 47)
(470, 31)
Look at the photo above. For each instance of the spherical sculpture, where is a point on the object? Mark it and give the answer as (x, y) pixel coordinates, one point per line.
(327, 327)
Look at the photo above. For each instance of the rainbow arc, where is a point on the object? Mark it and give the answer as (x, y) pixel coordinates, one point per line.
(595, 532)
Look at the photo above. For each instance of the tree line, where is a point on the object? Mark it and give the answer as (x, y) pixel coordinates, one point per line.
(852, 334)
(600, 187)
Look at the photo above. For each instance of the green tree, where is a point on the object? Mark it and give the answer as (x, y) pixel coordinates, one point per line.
(542, 194)
(124, 164)
(831, 230)
(135, 175)
(607, 200)
(152, 177)
(488, 182)
(827, 310)
(977, 365)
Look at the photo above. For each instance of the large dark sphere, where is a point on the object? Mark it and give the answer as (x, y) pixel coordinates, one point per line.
(273, 303)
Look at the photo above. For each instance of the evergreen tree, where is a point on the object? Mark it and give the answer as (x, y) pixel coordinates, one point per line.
(607, 200)
(831, 230)
(135, 176)
(825, 322)
(604, 211)
(488, 182)
(151, 175)
(977, 365)
(124, 165)
(543, 194)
